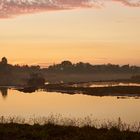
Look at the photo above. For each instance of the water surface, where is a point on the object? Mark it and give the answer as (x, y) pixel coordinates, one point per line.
(105, 84)
(43, 103)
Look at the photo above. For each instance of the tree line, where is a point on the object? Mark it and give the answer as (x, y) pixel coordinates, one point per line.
(69, 67)
(80, 67)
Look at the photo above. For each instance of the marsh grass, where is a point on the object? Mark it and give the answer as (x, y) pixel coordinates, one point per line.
(57, 127)
(58, 119)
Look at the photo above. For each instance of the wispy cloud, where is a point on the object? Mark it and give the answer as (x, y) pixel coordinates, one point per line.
(10, 8)
(130, 3)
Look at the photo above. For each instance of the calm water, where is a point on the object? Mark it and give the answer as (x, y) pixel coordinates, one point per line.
(43, 103)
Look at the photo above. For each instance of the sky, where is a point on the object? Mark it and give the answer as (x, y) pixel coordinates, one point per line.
(49, 31)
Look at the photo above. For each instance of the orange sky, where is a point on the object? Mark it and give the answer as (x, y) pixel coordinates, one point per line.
(109, 34)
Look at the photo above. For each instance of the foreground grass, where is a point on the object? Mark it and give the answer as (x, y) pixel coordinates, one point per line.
(59, 128)
(14, 131)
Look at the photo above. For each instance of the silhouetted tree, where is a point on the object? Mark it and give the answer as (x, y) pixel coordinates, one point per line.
(66, 63)
(80, 67)
(4, 61)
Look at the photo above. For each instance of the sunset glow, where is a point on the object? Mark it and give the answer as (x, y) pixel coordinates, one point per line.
(84, 30)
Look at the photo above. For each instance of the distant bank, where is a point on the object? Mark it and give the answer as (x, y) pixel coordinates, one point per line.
(65, 72)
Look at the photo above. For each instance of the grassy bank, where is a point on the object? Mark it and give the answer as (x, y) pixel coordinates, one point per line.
(13, 131)
(96, 91)
(47, 129)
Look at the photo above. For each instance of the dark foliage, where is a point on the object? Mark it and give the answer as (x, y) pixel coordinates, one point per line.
(13, 131)
(15, 75)
(36, 80)
(96, 91)
(68, 67)
(135, 78)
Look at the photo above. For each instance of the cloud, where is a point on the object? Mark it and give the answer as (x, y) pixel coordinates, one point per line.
(10, 8)
(130, 3)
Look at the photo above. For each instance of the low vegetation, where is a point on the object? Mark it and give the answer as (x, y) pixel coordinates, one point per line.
(96, 91)
(51, 128)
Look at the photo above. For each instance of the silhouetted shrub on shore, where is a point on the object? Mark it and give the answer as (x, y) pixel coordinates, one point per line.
(36, 80)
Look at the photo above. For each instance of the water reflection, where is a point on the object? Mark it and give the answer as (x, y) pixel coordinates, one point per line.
(111, 84)
(42, 103)
(104, 84)
(4, 92)
(29, 90)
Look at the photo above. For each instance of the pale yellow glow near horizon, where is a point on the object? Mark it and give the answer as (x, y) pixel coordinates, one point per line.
(107, 35)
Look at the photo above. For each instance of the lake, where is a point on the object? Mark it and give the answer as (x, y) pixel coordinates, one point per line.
(41, 103)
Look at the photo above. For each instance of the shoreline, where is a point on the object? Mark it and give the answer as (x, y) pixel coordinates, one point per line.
(128, 91)
(97, 91)
(69, 88)
(14, 130)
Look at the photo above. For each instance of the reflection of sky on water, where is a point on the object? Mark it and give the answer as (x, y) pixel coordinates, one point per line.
(115, 84)
(43, 103)
(105, 84)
